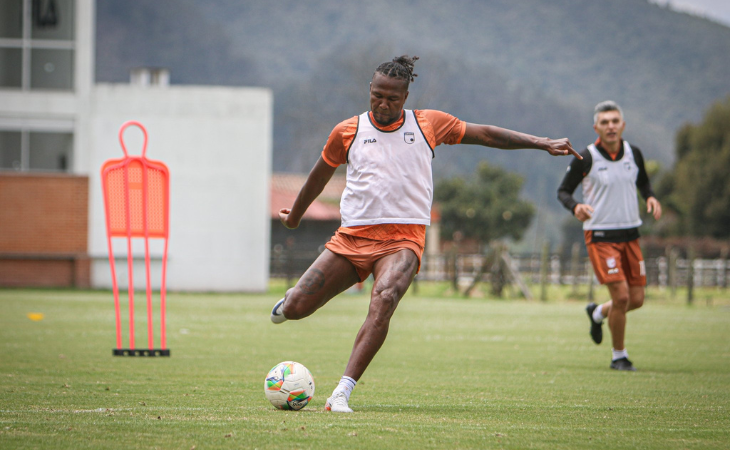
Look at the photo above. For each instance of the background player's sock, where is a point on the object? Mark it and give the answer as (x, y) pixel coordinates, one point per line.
(597, 314)
(618, 354)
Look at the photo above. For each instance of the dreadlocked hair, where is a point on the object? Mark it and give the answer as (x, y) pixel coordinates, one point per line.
(400, 68)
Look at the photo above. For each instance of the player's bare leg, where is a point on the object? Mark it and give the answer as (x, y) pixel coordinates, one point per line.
(619, 291)
(329, 275)
(624, 298)
(393, 275)
(636, 300)
(636, 297)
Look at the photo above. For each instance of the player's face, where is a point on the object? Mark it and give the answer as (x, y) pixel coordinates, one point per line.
(609, 126)
(387, 97)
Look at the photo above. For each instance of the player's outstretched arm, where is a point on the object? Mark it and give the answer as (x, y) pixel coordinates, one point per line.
(496, 137)
(316, 181)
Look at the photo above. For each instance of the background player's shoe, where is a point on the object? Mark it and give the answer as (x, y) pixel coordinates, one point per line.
(277, 313)
(622, 364)
(337, 403)
(596, 328)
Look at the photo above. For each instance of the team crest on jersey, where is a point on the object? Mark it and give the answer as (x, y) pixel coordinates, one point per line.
(611, 262)
(627, 164)
(409, 137)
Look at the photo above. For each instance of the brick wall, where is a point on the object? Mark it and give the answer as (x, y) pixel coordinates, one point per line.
(44, 230)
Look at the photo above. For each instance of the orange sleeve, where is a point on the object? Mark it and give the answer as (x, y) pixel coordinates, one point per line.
(440, 127)
(339, 141)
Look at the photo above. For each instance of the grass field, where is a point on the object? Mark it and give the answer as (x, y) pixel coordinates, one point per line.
(454, 373)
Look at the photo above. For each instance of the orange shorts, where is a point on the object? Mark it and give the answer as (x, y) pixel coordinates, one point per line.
(363, 252)
(617, 261)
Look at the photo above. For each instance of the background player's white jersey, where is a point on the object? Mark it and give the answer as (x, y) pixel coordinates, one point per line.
(610, 188)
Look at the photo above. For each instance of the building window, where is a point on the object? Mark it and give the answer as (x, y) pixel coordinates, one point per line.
(10, 69)
(10, 150)
(37, 44)
(36, 151)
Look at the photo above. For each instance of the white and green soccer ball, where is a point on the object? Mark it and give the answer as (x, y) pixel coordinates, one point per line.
(289, 385)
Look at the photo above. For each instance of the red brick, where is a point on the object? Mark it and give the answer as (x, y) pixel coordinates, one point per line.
(44, 230)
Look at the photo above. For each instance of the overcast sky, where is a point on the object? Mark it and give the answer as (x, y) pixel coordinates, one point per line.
(717, 10)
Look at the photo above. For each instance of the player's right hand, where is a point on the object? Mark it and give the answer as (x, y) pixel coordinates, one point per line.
(286, 219)
(583, 212)
(557, 147)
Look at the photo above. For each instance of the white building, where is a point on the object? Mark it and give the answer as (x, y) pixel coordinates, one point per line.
(216, 142)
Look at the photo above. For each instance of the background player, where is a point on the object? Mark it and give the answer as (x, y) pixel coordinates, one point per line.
(610, 172)
(385, 207)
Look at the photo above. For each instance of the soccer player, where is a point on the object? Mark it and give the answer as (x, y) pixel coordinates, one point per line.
(385, 207)
(610, 172)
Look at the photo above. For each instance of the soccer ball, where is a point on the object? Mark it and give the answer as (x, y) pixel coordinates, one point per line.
(289, 385)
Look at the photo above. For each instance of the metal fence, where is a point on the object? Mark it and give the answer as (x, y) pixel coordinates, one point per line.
(557, 270)
(662, 271)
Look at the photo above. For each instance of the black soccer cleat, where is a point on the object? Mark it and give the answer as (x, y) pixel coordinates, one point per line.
(596, 328)
(623, 364)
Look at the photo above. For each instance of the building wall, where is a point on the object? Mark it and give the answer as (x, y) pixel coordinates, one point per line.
(216, 142)
(44, 218)
(43, 230)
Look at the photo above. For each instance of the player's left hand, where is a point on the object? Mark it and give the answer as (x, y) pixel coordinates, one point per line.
(561, 147)
(654, 207)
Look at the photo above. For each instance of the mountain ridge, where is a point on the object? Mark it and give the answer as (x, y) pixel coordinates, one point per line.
(532, 66)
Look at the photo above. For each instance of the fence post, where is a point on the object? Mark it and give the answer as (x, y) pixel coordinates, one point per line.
(591, 282)
(496, 271)
(672, 254)
(723, 267)
(691, 274)
(574, 265)
(661, 264)
(544, 270)
(457, 236)
(454, 269)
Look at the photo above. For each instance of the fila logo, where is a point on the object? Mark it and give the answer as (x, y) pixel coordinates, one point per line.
(369, 141)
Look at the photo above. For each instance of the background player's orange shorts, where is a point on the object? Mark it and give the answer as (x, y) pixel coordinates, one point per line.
(617, 261)
(363, 252)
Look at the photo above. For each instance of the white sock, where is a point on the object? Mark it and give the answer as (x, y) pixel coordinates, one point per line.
(618, 354)
(598, 314)
(346, 386)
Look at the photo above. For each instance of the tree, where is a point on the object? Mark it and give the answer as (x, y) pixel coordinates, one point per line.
(697, 191)
(484, 207)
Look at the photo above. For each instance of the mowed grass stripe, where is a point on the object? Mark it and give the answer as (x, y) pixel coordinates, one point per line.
(458, 373)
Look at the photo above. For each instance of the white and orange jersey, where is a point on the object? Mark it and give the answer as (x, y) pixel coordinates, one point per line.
(389, 172)
(610, 188)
